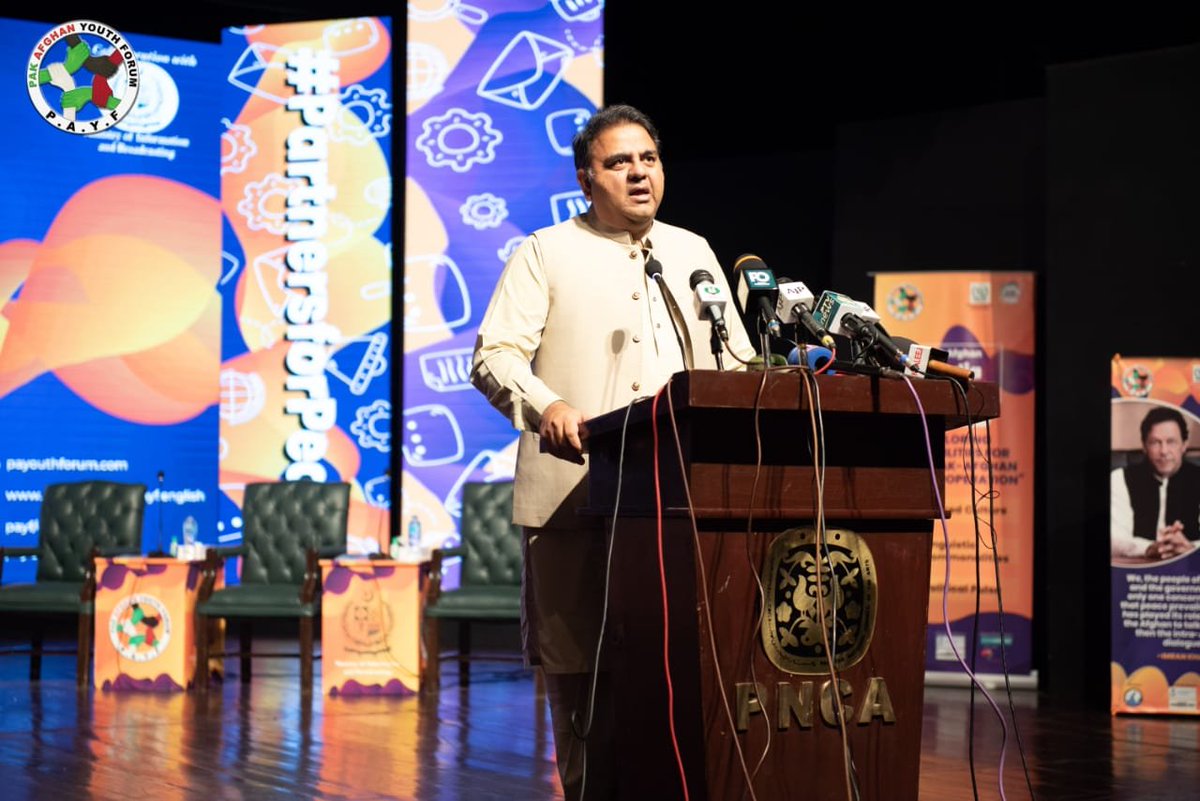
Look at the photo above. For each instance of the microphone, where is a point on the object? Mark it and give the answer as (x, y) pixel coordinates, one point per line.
(796, 300)
(843, 315)
(928, 360)
(654, 269)
(159, 501)
(757, 287)
(710, 301)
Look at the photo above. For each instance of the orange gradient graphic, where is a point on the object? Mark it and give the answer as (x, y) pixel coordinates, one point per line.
(118, 300)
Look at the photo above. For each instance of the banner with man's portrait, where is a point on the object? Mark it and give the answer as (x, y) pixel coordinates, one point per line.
(1154, 531)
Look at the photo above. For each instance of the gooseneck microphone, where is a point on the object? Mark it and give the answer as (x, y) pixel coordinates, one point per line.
(159, 503)
(654, 269)
(757, 290)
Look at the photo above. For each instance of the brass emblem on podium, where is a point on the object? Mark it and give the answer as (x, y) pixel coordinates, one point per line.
(846, 593)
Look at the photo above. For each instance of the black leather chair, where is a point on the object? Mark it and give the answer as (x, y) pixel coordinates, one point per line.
(490, 586)
(79, 521)
(287, 527)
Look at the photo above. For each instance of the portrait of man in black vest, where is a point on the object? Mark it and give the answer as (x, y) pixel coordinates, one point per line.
(1156, 501)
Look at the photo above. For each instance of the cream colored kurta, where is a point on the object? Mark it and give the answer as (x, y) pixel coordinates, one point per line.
(575, 317)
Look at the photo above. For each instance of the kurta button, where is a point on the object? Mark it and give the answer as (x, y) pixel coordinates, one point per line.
(637, 338)
(633, 254)
(637, 295)
(636, 386)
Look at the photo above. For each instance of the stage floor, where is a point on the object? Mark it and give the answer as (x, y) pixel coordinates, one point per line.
(489, 741)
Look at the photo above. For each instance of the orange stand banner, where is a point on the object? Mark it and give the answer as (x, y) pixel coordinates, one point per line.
(985, 322)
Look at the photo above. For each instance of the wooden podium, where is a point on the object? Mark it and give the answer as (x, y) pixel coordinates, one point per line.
(763, 682)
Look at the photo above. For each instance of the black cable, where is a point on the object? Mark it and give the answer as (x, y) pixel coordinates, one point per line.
(991, 496)
(1000, 613)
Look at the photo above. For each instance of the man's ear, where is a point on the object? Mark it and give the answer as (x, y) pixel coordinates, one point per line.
(585, 183)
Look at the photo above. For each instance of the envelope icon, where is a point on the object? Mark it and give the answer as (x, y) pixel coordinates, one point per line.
(252, 65)
(526, 71)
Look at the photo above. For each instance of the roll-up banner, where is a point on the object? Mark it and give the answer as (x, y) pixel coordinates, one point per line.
(1154, 530)
(306, 264)
(985, 322)
(496, 93)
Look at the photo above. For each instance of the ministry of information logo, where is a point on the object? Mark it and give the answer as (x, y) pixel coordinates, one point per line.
(82, 77)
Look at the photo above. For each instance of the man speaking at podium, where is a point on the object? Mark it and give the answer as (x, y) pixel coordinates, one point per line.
(577, 327)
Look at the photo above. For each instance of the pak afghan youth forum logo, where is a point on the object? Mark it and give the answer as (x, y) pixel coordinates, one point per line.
(139, 627)
(905, 302)
(82, 77)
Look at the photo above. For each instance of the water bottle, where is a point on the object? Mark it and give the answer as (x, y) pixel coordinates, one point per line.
(190, 527)
(414, 534)
(395, 550)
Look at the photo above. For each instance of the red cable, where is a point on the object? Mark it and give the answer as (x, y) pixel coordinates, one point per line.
(662, 575)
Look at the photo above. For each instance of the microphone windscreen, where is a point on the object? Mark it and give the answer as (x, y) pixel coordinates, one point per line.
(818, 356)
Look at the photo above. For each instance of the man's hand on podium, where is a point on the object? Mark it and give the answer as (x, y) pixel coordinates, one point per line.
(563, 431)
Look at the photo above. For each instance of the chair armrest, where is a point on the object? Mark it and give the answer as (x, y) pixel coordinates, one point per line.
(433, 588)
(208, 573)
(226, 551)
(118, 550)
(312, 577)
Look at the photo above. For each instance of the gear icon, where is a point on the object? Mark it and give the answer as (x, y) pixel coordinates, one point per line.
(372, 106)
(371, 426)
(237, 147)
(484, 211)
(459, 140)
(255, 206)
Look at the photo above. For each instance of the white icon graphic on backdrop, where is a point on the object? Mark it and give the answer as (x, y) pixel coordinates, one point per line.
(459, 140)
(372, 426)
(157, 101)
(229, 267)
(578, 10)
(379, 192)
(270, 274)
(487, 466)
(242, 396)
(263, 202)
(366, 359)
(566, 205)
(431, 436)
(433, 10)
(484, 211)
(361, 33)
(424, 277)
(505, 253)
(526, 71)
(371, 107)
(561, 127)
(247, 71)
(447, 370)
(237, 147)
(427, 71)
(378, 491)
